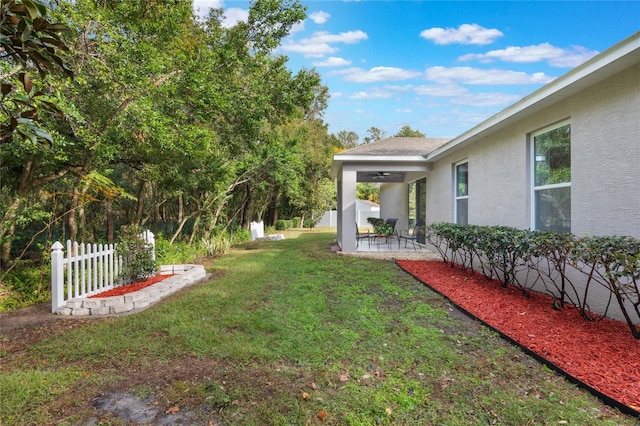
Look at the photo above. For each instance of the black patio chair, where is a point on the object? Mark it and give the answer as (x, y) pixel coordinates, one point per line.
(418, 229)
(360, 236)
(392, 221)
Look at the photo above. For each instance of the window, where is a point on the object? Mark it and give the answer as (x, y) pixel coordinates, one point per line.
(462, 193)
(552, 179)
(417, 203)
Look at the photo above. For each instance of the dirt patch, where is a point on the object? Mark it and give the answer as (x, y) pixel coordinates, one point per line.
(135, 410)
(32, 316)
(22, 328)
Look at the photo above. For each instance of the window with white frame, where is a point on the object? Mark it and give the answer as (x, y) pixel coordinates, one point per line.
(461, 194)
(551, 204)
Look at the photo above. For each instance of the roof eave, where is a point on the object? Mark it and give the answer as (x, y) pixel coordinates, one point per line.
(378, 158)
(339, 159)
(592, 71)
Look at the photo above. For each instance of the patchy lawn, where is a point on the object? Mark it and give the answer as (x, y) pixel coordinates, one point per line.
(286, 333)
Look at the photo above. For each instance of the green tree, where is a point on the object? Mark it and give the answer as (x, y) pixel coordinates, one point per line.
(407, 132)
(348, 139)
(31, 48)
(368, 191)
(374, 134)
(202, 123)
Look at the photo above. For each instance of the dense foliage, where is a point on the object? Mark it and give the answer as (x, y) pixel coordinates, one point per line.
(137, 255)
(566, 266)
(185, 126)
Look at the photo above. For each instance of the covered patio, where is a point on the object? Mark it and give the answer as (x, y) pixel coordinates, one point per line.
(393, 163)
(393, 251)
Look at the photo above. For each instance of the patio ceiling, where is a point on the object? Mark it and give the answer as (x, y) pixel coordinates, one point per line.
(381, 177)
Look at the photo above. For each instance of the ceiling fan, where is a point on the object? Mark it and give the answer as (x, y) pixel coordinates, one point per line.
(381, 175)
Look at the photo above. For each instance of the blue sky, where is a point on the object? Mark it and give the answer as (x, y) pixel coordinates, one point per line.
(441, 67)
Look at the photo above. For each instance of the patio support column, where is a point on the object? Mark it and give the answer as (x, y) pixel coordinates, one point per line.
(347, 210)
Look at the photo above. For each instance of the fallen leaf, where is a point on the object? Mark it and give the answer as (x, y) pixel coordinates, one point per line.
(322, 415)
(344, 377)
(388, 411)
(314, 386)
(172, 410)
(305, 395)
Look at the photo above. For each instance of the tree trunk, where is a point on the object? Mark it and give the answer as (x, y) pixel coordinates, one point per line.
(140, 204)
(108, 213)
(275, 209)
(82, 218)
(8, 224)
(75, 200)
(180, 208)
(194, 230)
(6, 246)
(246, 211)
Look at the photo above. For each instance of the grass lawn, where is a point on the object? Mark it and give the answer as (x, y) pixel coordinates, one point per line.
(287, 333)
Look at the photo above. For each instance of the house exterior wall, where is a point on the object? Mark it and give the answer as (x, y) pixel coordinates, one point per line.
(605, 168)
(605, 164)
(394, 203)
(606, 175)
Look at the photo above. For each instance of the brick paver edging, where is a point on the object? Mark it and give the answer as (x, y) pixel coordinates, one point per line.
(185, 275)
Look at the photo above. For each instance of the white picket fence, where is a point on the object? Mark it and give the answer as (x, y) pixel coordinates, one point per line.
(86, 270)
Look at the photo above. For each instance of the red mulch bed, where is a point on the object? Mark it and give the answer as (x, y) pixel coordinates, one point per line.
(130, 288)
(603, 356)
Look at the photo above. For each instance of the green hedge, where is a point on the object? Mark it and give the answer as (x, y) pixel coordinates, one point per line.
(284, 224)
(524, 258)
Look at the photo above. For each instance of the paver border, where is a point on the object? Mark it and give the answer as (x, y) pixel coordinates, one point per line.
(183, 276)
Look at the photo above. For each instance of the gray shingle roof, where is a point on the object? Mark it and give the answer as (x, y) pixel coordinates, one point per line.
(397, 147)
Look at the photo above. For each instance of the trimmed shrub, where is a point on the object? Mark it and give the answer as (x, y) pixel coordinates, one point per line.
(137, 255)
(505, 253)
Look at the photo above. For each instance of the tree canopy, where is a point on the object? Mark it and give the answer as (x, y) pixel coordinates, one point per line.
(407, 132)
(180, 124)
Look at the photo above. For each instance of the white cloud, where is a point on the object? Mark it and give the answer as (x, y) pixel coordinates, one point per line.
(358, 75)
(233, 15)
(403, 110)
(332, 62)
(464, 34)
(458, 119)
(555, 56)
(485, 99)
(375, 94)
(319, 17)
(468, 75)
(348, 37)
(310, 50)
(319, 44)
(297, 28)
(444, 90)
(395, 88)
(201, 7)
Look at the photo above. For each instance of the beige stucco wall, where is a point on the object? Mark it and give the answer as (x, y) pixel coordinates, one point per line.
(393, 203)
(605, 164)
